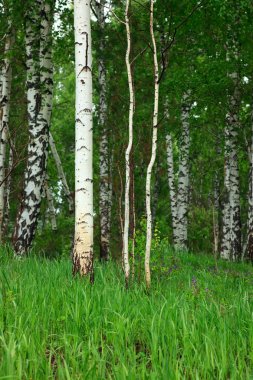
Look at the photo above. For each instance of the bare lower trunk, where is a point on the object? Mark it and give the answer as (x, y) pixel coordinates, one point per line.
(216, 207)
(171, 183)
(39, 99)
(248, 252)
(226, 233)
(179, 194)
(105, 178)
(83, 241)
(155, 196)
(4, 116)
(128, 150)
(231, 240)
(154, 148)
(133, 232)
(181, 227)
(235, 217)
(61, 173)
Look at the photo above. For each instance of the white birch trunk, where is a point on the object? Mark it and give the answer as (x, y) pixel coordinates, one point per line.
(181, 230)
(216, 207)
(231, 239)
(171, 175)
(171, 183)
(226, 233)
(39, 99)
(4, 118)
(236, 244)
(83, 241)
(1, 91)
(105, 179)
(128, 150)
(154, 148)
(61, 173)
(155, 196)
(248, 252)
(51, 208)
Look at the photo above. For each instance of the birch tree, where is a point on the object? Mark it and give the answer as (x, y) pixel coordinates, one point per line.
(104, 161)
(39, 105)
(216, 208)
(183, 177)
(6, 78)
(129, 148)
(171, 183)
(179, 190)
(231, 239)
(248, 251)
(154, 148)
(83, 240)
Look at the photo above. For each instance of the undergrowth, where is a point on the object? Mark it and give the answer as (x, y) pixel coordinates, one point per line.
(195, 323)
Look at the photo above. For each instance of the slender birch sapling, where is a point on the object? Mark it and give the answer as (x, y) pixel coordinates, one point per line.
(154, 148)
(129, 148)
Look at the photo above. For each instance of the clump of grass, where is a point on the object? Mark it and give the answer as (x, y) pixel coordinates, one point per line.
(196, 323)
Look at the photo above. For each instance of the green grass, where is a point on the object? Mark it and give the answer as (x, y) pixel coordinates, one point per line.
(196, 323)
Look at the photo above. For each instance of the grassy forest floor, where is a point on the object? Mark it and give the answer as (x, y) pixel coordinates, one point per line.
(196, 322)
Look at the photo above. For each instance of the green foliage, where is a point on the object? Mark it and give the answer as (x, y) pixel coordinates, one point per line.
(196, 323)
(140, 243)
(197, 61)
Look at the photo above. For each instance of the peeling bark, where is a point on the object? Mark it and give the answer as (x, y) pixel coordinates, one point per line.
(83, 240)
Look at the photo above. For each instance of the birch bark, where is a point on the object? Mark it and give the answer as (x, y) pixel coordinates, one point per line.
(231, 239)
(39, 99)
(171, 174)
(83, 241)
(216, 208)
(226, 233)
(156, 195)
(154, 148)
(248, 253)
(171, 183)
(235, 217)
(105, 178)
(4, 116)
(179, 194)
(129, 149)
(181, 231)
